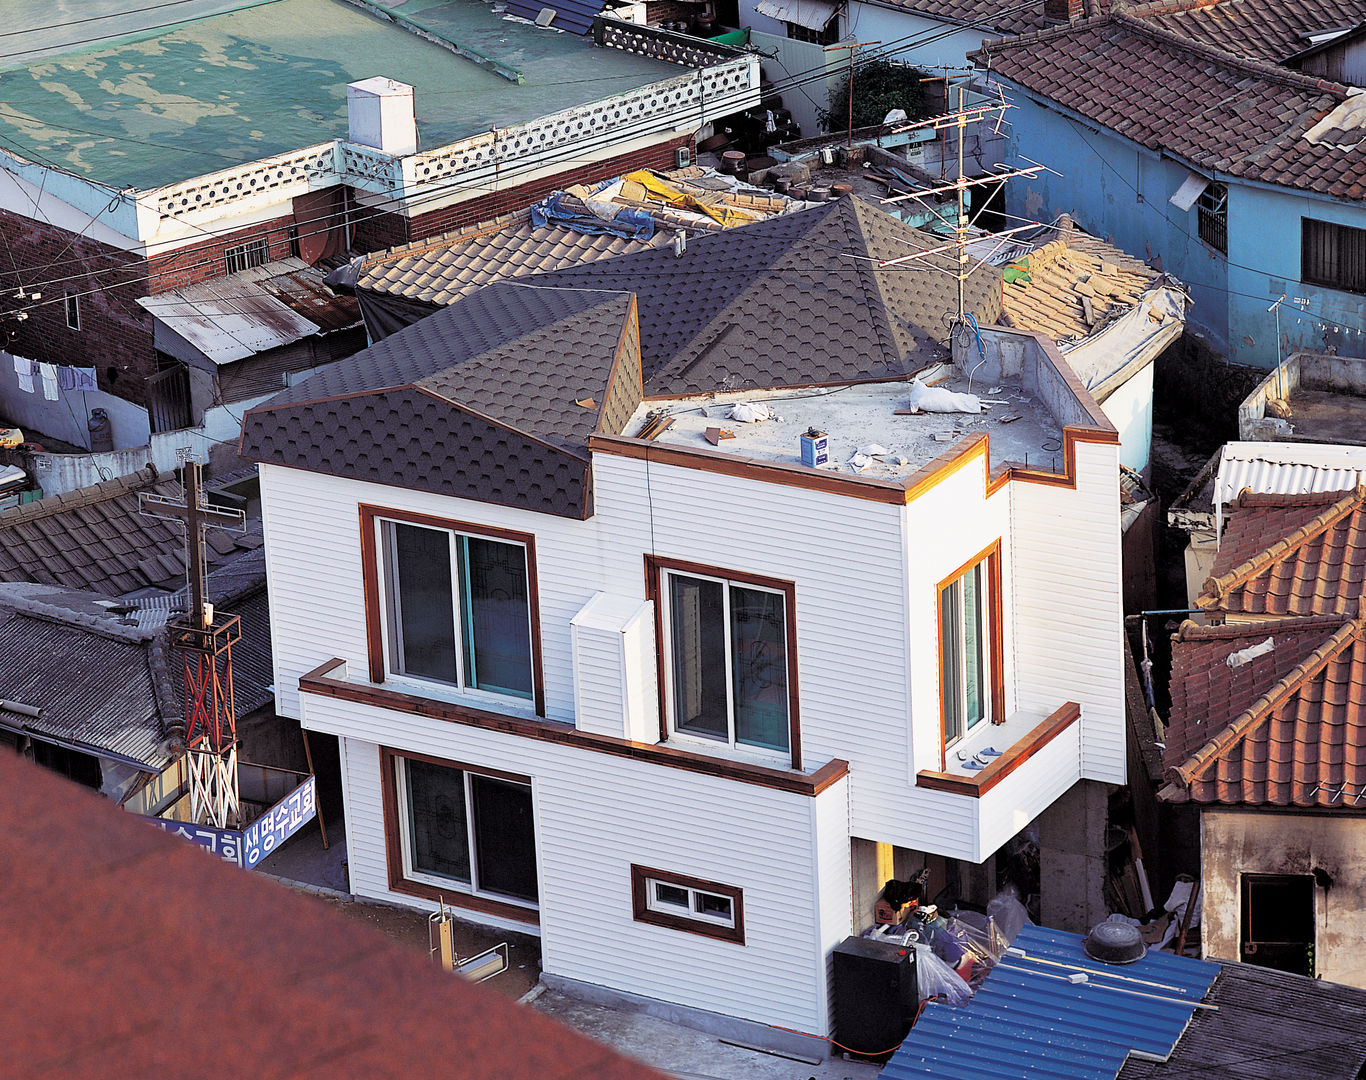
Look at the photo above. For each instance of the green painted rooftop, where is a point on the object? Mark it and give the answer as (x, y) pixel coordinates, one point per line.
(136, 99)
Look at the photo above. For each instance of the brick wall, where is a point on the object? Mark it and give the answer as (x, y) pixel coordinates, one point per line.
(203, 260)
(115, 335)
(375, 232)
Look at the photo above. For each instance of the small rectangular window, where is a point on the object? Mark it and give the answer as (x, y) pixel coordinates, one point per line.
(828, 34)
(73, 310)
(687, 903)
(1212, 212)
(1278, 923)
(1333, 255)
(244, 256)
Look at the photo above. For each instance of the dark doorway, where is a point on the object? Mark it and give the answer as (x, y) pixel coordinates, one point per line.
(1278, 922)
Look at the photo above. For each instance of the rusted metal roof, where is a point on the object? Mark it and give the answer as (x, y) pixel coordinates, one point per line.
(233, 317)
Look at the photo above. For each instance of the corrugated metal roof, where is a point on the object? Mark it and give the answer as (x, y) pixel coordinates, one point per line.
(231, 318)
(1029, 1021)
(811, 14)
(1287, 468)
(95, 688)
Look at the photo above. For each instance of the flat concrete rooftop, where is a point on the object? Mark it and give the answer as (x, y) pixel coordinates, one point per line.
(133, 102)
(859, 415)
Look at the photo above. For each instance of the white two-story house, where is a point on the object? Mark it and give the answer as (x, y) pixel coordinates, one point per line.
(610, 666)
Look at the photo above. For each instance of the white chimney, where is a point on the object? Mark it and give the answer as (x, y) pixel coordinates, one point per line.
(379, 112)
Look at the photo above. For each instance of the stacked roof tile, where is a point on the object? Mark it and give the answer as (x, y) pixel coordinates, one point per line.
(1273, 712)
(1240, 117)
(1291, 555)
(1072, 285)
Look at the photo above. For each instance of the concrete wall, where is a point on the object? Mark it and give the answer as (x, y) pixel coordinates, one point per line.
(1236, 842)
(904, 36)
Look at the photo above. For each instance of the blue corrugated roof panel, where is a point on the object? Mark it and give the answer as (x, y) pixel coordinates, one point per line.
(1030, 1021)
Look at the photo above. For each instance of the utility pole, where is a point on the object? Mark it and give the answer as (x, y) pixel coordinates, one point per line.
(851, 46)
(205, 639)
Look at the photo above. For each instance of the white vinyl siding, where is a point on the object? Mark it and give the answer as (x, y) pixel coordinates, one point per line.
(755, 839)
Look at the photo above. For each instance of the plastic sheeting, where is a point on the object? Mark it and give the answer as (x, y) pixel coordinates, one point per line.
(628, 223)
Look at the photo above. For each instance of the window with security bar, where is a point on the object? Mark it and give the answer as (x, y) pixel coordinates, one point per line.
(244, 256)
(1212, 211)
(1333, 255)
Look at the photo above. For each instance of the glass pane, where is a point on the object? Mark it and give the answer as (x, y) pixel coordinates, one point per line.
(951, 659)
(758, 634)
(711, 904)
(495, 615)
(974, 645)
(436, 820)
(421, 613)
(671, 894)
(504, 837)
(697, 634)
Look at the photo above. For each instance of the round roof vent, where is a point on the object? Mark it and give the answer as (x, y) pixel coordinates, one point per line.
(1115, 943)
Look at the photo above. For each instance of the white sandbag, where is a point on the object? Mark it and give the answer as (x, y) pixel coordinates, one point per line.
(940, 399)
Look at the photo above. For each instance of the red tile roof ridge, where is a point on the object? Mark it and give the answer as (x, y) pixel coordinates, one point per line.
(69, 500)
(1194, 631)
(1216, 588)
(1261, 69)
(1167, 7)
(1261, 709)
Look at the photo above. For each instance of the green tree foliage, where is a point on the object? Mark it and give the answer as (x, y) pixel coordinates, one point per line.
(879, 87)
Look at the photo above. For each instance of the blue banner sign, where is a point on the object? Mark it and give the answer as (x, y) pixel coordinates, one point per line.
(247, 847)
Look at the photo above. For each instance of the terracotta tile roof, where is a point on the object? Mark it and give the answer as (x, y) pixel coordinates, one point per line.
(1287, 728)
(1073, 284)
(1271, 30)
(131, 951)
(1291, 555)
(446, 268)
(988, 15)
(1222, 114)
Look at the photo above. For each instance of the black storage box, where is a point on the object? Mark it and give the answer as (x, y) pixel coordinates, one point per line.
(875, 995)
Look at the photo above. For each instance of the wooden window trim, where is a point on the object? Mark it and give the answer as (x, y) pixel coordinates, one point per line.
(991, 555)
(656, 566)
(393, 842)
(979, 783)
(370, 516)
(319, 681)
(642, 912)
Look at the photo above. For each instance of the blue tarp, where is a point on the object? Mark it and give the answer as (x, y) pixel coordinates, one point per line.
(629, 224)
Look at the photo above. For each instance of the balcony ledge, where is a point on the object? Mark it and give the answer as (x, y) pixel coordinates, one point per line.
(975, 785)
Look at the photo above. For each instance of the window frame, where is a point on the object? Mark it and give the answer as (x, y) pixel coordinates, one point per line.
(1211, 216)
(1339, 282)
(379, 633)
(248, 255)
(657, 570)
(397, 835)
(71, 302)
(988, 561)
(829, 34)
(644, 877)
(1273, 953)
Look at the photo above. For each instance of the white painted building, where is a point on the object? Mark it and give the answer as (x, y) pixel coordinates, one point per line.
(680, 698)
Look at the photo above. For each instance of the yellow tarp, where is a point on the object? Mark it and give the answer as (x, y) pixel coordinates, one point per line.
(659, 188)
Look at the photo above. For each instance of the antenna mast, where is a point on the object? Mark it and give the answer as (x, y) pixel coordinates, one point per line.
(205, 639)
